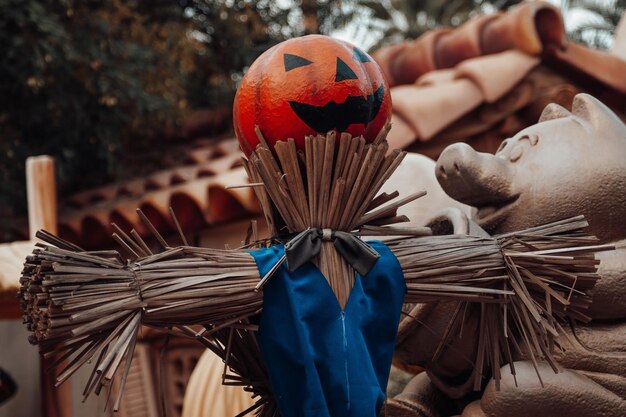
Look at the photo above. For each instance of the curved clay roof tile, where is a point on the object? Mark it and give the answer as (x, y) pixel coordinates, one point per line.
(199, 156)
(160, 200)
(190, 190)
(182, 174)
(462, 43)
(157, 216)
(403, 63)
(188, 211)
(438, 106)
(604, 67)
(497, 74)
(95, 230)
(132, 187)
(222, 164)
(528, 27)
(418, 58)
(437, 77)
(385, 56)
(95, 196)
(122, 219)
(205, 172)
(223, 205)
(402, 133)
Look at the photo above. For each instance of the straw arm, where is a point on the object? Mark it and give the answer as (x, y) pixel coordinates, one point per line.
(526, 282)
(83, 306)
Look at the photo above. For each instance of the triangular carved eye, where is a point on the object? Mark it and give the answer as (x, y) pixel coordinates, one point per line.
(295, 61)
(344, 72)
(360, 55)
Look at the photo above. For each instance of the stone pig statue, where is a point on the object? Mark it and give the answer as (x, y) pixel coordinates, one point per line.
(565, 165)
(569, 163)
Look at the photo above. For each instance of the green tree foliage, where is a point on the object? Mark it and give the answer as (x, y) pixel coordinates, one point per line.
(81, 80)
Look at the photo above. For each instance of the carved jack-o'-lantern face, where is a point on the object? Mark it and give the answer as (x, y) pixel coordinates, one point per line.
(308, 85)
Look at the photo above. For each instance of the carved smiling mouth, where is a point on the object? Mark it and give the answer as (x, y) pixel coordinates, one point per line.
(355, 109)
(491, 214)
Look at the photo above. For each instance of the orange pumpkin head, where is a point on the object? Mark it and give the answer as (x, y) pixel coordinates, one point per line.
(309, 85)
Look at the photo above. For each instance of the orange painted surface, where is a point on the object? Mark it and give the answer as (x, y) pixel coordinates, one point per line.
(309, 85)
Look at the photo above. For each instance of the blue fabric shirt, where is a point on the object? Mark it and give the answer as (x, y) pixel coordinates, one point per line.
(324, 361)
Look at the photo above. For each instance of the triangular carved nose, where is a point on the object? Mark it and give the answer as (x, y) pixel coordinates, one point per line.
(344, 72)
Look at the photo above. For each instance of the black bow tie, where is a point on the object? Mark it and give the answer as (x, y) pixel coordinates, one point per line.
(307, 244)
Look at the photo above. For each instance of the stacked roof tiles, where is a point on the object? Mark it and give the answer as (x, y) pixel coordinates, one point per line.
(196, 192)
(492, 76)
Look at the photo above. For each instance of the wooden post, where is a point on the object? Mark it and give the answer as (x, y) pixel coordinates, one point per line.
(41, 191)
(42, 214)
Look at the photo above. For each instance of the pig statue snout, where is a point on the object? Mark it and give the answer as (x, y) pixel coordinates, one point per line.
(472, 177)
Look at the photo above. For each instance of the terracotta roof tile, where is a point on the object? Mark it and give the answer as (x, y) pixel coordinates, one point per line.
(528, 27)
(402, 135)
(403, 63)
(196, 193)
(496, 74)
(436, 107)
(437, 77)
(487, 125)
(605, 67)
(462, 43)
(440, 79)
(441, 97)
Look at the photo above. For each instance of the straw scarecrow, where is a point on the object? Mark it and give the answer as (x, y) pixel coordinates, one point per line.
(306, 320)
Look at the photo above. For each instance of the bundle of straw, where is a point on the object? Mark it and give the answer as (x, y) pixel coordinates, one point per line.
(523, 281)
(81, 305)
(89, 305)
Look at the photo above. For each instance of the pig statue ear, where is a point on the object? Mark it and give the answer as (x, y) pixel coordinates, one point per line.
(596, 113)
(553, 111)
